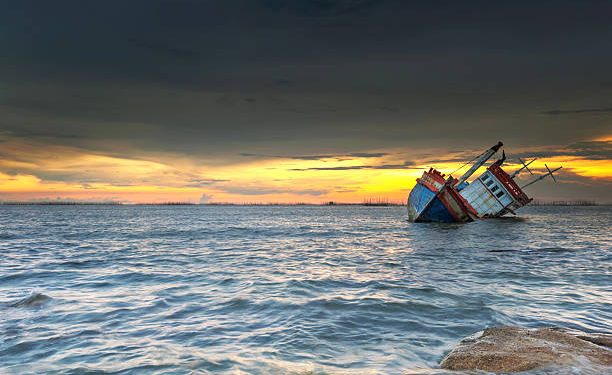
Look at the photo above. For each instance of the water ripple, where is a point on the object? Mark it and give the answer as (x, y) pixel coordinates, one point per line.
(267, 290)
(33, 300)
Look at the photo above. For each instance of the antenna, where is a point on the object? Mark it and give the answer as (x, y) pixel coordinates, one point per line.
(551, 172)
(539, 178)
(525, 166)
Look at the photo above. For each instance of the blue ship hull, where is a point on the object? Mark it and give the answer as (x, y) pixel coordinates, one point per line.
(424, 205)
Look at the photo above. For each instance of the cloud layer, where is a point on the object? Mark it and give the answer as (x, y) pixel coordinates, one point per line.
(203, 95)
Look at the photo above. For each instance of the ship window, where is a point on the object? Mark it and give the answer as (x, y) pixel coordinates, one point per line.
(499, 194)
(485, 177)
(489, 183)
(495, 188)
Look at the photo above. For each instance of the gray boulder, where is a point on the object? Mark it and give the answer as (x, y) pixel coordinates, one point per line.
(512, 349)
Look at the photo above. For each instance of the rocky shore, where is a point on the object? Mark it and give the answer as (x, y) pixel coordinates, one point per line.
(513, 349)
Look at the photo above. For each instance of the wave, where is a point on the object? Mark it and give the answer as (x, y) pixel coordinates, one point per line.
(543, 250)
(338, 291)
(33, 300)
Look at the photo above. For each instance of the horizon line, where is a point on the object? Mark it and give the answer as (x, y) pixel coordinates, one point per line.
(535, 202)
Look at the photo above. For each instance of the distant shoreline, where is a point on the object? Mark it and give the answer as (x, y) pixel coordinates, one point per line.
(578, 203)
(194, 204)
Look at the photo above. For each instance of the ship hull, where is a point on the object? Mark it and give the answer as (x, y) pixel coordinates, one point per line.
(442, 206)
(424, 206)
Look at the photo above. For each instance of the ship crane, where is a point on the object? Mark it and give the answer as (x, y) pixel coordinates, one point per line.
(479, 162)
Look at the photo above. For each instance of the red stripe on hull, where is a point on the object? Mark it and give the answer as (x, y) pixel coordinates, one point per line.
(458, 211)
(427, 185)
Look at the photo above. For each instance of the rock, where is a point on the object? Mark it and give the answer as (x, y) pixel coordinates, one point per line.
(510, 349)
(598, 339)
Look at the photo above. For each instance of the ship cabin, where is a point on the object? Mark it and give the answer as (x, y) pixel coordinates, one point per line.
(494, 193)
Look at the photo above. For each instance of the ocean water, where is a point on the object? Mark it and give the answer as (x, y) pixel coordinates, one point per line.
(276, 290)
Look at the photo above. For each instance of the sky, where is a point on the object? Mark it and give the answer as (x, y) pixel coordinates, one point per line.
(253, 101)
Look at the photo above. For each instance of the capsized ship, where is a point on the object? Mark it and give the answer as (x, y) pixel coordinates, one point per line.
(440, 198)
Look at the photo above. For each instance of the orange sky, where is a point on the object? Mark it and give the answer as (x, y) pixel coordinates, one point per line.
(47, 172)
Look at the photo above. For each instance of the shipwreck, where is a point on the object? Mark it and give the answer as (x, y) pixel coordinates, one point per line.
(440, 198)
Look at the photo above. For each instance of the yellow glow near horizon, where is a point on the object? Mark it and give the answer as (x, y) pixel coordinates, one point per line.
(18, 183)
(598, 169)
(81, 175)
(605, 138)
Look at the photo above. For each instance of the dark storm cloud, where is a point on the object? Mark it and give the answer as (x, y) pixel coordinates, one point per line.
(319, 8)
(367, 154)
(404, 165)
(300, 77)
(167, 49)
(320, 157)
(578, 111)
(596, 150)
(198, 182)
(258, 190)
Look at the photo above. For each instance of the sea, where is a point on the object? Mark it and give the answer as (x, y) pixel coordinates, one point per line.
(206, 289)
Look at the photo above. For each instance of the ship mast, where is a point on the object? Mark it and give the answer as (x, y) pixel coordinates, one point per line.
(539, 178)
(479, 162)
(525, 166)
